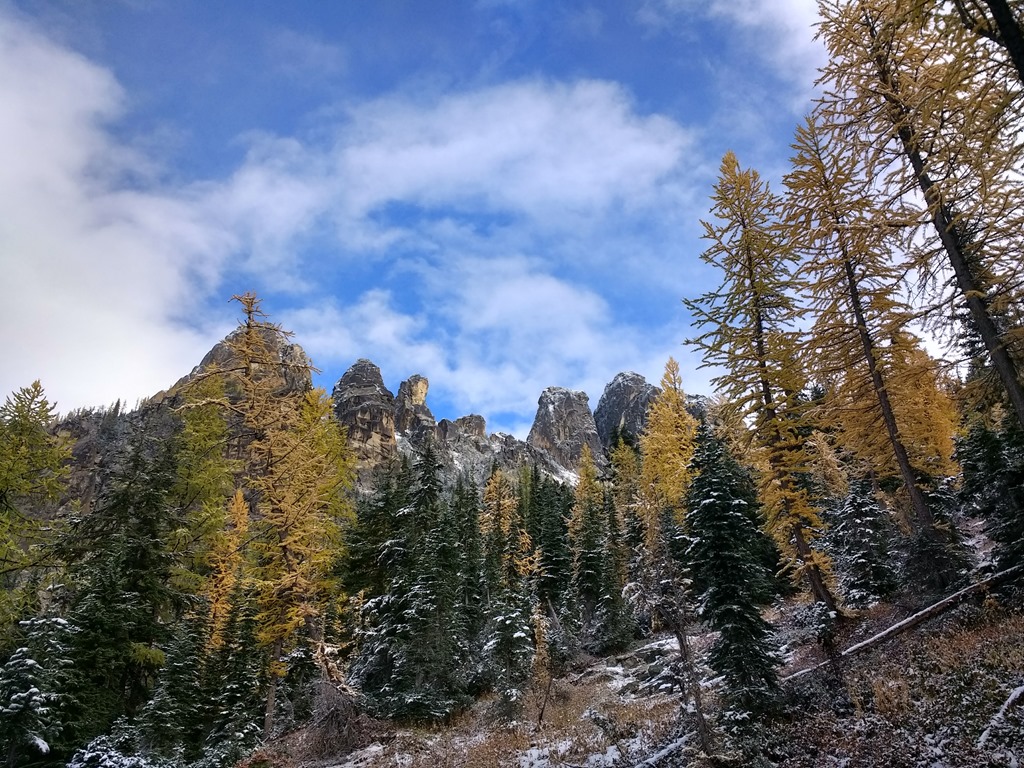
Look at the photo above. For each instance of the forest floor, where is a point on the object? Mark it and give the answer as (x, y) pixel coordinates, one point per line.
(948, 694)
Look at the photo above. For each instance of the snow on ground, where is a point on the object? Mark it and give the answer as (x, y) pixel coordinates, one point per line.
(622, 707)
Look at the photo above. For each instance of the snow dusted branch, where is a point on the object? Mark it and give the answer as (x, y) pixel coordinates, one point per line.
(997, 719)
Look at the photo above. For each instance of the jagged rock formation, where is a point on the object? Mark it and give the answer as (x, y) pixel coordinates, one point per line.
(367, 408)
(563, 425)
(412, 416)
(622, 409)
(293, 368)
(382, 426)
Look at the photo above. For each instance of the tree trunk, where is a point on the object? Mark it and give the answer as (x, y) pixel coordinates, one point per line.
(1011, 37)
(815, 580)
(950, 234)
(925, 519)
(678, 623)
(268, 714)
(920, 617)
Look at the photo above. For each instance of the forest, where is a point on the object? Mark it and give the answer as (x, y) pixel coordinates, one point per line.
(200, 582)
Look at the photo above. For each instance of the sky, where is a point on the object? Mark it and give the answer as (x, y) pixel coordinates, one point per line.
(500, 195)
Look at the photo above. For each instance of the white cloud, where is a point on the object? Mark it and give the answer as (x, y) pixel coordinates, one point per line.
(539, 148)
(100, 278)
(779, 32)
(509, 329)
(493, 209)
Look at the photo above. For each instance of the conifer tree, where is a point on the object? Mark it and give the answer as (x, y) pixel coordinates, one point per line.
(993, 485)
(861, 534)
(661, 585)
(587, 541)
(667, 444)
(747, 326)
(123, 599)
(854, 283)
(34, 693)
(510, 569)
(914, 94)
(724, 559)
(296, 468)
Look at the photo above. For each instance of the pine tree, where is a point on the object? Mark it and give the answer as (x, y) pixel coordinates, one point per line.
(171, 723)
(724, 560)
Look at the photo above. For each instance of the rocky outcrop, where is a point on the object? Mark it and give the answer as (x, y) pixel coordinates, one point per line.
(367, 408)
(563, 425)
(412, 416)
(622, 409)
(290, 366)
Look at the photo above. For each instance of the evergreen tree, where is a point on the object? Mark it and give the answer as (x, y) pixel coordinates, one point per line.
(588, 537)
(860, 536)
(510, 570)
(34, 695)
(724, 560)
(993, 485)
(171, 723)
(120, 564)
(413, 659)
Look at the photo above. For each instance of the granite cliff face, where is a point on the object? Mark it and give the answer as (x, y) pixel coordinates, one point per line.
(563, 425)
(622, 409)
(367, 408)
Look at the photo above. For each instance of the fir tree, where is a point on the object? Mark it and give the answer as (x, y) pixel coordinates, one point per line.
(588, 536)
(860, 536)
(34, 698)
(993, 485)
(723, 557)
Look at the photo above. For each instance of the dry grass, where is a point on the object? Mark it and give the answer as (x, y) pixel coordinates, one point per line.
(579, 720)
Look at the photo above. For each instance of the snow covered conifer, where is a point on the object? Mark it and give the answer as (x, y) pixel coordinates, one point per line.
(861, 536)
(722, 553)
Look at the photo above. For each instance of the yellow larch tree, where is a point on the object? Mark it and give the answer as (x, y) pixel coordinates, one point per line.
(748, 329)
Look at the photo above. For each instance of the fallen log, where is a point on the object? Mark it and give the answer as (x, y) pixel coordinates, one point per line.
(920, 617)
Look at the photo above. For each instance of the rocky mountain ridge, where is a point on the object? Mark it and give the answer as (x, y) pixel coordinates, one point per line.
(383, 426)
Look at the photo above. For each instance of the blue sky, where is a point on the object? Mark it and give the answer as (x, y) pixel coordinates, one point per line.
(499, 195)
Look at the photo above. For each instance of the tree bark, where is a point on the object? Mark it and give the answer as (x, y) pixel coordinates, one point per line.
(949, 232)
(678, 623)
(1011, 37)
(924, 516)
